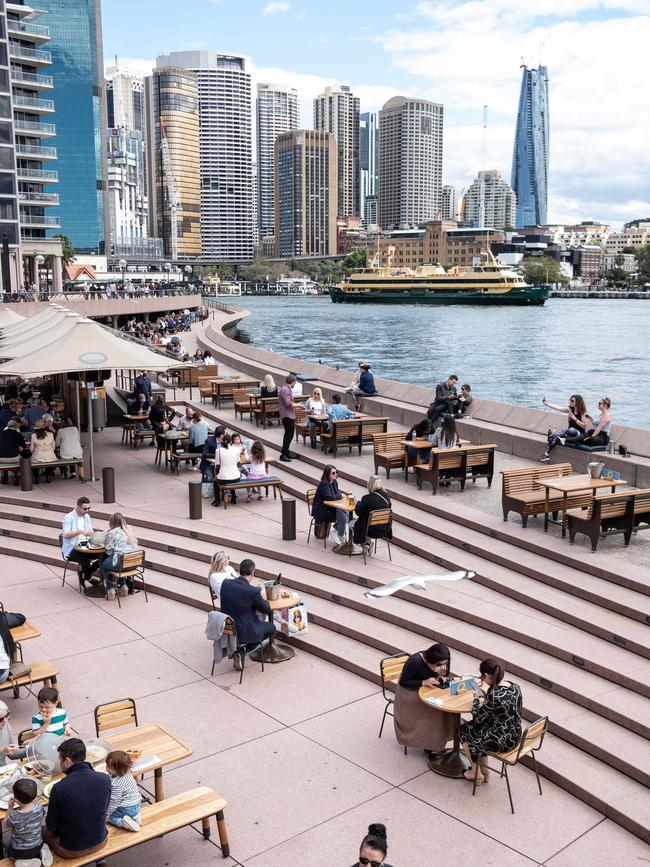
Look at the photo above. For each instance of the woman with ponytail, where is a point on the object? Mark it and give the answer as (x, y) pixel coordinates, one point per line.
(496, 719)
(374, 848)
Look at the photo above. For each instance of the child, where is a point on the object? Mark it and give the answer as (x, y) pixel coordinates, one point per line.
(24, 820)
(243, 454)
(124, 806)
(50, 718)
(257, 468)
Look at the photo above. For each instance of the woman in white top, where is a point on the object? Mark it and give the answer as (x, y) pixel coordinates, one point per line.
(227, 460)
(220, 570)
(68, 444)
(317, 406)
(42, 447)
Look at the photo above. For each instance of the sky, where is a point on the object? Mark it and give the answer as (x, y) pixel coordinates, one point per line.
(464, 54)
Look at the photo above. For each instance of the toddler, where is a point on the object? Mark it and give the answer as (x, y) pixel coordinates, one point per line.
(124, 806)
(24, 821)
(50, 718)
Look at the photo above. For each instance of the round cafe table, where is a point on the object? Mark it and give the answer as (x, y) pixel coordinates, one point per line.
(453, 762)
(272, 652)
(345, 504)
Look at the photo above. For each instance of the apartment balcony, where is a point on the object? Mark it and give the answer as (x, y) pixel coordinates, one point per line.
(39, 221)
(34, 127)
(37, 152)
(34, 103)
(34, 56)
(37, 32)
(31, 79)
(45, 199)
(42, 175)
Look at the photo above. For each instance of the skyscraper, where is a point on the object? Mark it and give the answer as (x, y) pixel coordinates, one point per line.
(336, 110)
(410, 161)
(530, 153)
(78, 74)
(490, 202)
(172, 122)
(369, 163)
(277, 112)
(449, 204)
(124, 99)
(225, 150)
(306, 167)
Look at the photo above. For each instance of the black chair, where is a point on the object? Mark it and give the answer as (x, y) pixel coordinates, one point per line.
(390, 670)
(239, 655)
(71, 563)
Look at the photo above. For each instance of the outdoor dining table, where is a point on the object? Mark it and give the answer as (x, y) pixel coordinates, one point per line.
(570, 485)
(345, 504)
(453, 762)
(223, 388)
(272, 652)
(133, 420)
(22, 633)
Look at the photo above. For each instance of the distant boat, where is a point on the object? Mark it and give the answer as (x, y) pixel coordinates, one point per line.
(489, 283)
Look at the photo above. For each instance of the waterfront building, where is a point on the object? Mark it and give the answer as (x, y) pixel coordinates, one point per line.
(623, 261)
(531, 149)
(225, 150)
(173, 182)
(124, 99)
(410, 162)
(587, 263)
(371, 212)
(306, 193)
(437, 241)
(256, 205)
(277, 112)
(78, 73)
(490, 202)
(336, 110)
(583, 233)
(635, 236)
(369, 165)
(449, 203)
(350, 234)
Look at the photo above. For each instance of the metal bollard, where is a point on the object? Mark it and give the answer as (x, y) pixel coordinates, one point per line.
(25, 474)
(289, 518)
(196, 502)
(108, 484)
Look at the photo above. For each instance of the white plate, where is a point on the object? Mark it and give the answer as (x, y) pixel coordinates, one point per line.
(8, 770)
(95, 753)
(47, 789)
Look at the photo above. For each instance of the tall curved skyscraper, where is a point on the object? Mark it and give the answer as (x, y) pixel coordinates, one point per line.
(530, 152)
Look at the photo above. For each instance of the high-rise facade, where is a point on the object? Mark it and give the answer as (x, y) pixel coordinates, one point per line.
(225, 150)
(410, 161)
(277, 112)
(336, 110)
(531, 152)
(449, 203)
(78, 93)
(172, 134)
(490, 202)
(306, 191)
(124, 100)
(368, 163)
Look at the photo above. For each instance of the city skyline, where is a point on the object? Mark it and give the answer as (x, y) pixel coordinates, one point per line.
(464, 55)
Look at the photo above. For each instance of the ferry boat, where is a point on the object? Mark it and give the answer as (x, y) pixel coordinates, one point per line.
(487, 283)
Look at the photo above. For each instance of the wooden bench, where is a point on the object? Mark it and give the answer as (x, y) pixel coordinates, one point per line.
(341, 432)
(205, 386)
(244, 484)
(242, 402)
(139, 436)
(301, 424)
(621, 512)
(457, 464)
(60, 462)
(266, 409)
(42, 672)
(371, 426)
(178, 458)
(388, 451)
(522, 494)
(157, 819)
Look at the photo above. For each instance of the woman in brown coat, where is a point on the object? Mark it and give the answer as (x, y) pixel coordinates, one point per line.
(417, 724)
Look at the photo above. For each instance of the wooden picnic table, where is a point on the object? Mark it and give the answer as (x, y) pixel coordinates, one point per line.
(154, 740)
(223, 388)
(571, 485)
(272, 653)
(453, 762)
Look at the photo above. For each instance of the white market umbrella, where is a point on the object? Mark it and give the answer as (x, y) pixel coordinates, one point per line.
(29, 329)
(30, 321)
(87, 346)
(27, 343)
(8, 317)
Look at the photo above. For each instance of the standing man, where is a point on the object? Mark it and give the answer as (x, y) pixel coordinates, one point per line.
(446, 397)
(241, 601)
(142, 385)
(77, 528)
(287, 412)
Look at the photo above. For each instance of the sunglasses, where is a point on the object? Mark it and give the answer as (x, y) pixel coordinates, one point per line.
(5, 717)
(368, 863)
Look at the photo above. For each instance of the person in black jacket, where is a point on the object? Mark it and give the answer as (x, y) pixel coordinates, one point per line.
(374, 847)
(241, 600)
(418, 724)
(76, 815)
(142, 385)
(328, 489)
(376, 498)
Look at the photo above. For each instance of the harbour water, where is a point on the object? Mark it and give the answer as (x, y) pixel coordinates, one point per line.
(514, 355)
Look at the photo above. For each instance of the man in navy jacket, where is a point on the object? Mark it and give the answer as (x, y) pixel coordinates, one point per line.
(76, 814)
(241, 601)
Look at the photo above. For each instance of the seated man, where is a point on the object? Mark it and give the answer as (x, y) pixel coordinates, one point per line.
(76, 815)
(445, 399)
(366, 382)
(78, 528)
(12, 442)
(337, 411)
(241, 601)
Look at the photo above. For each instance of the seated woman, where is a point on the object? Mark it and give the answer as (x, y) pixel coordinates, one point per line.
(376, 498)
(415, 725)
(576, 427)
(328, 489)
(120, 540)
(598, 433)
(269, 389)
(199, 357)
(226, 460)
(496, 721)
(314, 405)
(419, 431)
(160, 413)
(197, 434)
(68, 444)
(446, 437)
(42, 448)
(220, 570)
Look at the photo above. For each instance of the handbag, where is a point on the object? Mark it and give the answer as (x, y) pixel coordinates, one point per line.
(19, 669)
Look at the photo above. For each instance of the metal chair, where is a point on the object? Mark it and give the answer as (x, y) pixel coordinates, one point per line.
(133, 564)
(530, 742)
(390, 670)
(311, 493)
(116, 714)
(70, 563)
(378, 518)
(240, 653)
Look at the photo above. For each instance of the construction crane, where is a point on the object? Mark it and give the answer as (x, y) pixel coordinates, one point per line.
(173, 195)
(481, 203)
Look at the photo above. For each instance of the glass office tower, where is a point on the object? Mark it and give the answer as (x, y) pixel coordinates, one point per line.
(80, 116)
(530, 154)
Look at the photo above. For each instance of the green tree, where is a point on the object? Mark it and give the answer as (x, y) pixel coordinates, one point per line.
(643, 261)
(617, 275)
(356, 259)
(66, 248)
(542, 269)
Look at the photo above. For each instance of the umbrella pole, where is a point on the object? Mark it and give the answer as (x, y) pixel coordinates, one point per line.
(78, 406)
(90, 432)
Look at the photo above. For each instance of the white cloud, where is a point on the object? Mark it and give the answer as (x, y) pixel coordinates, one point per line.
(276, 6)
